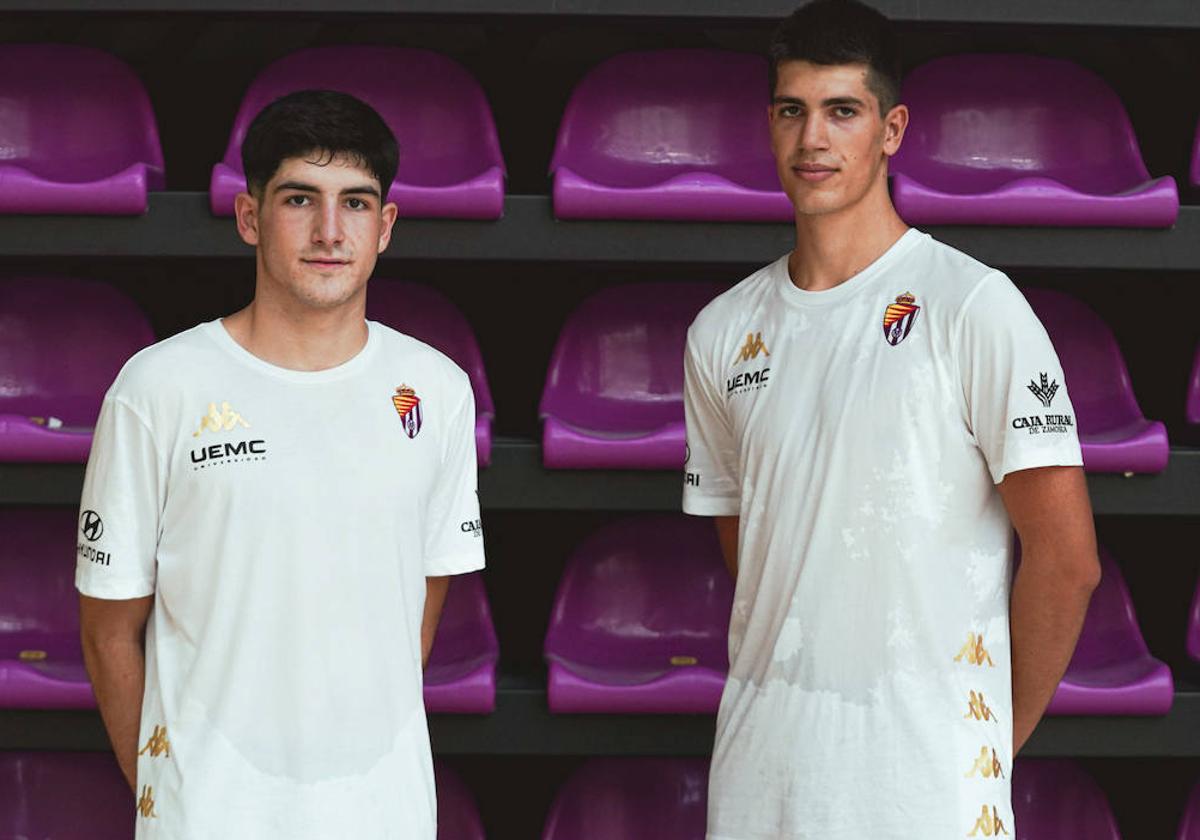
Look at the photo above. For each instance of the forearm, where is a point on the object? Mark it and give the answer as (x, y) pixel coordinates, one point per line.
(1047, 613)
(435, 599)
(118, 673)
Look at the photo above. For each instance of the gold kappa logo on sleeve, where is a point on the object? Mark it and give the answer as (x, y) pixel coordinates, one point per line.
(989, 824)
(750, 350)
(158, 743)
(145, 805)
(225, 420)
(974, 652)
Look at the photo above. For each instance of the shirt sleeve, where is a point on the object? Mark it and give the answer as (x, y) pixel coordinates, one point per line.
(124, 490)
(711, 485)
(454, 533)
(1017, 404)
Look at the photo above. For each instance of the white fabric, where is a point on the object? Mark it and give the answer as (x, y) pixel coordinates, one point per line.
(873, 542)
(285, 523)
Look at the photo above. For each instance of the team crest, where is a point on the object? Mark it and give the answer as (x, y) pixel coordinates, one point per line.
(408, 406)
(899, 317)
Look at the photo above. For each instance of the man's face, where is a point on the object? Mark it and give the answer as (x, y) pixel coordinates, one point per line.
(830, 142)
(318, 228)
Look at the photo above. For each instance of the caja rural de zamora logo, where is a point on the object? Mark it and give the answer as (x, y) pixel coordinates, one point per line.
(408, 406)
(899, 317)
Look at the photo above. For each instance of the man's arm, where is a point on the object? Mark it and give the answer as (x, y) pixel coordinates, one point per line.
(1050, 509)
(435, 599)
(727, 534)
(113, 636)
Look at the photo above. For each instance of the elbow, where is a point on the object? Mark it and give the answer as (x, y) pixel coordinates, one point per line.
(1084, 574)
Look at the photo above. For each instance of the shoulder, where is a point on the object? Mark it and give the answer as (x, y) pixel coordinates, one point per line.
(951, 276)
(163, 367)
(422, 359)
(735, 304)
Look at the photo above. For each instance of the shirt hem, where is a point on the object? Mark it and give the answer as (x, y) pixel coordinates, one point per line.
(1034, 461)
(454, 564)
(114, 592)
(712, 506)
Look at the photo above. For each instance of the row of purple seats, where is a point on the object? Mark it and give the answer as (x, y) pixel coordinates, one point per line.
(614, 392)
(667, 134)
(83, 796)
(41, 660)
(667, 799)
(57, 361)
(641, 618)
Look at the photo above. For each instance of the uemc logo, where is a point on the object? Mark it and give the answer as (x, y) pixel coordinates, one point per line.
(750, 381)
(243, 450)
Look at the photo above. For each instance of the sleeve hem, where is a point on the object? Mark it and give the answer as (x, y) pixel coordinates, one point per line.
(712, 505)
(114, 591)
(1034, 461)
(454, 564)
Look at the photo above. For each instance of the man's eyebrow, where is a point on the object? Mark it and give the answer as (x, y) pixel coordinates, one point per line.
(832, 102)
(300, 186)
(363, 189)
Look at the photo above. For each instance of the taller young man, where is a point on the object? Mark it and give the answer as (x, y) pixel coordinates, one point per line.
(277, 498)
(868, 418)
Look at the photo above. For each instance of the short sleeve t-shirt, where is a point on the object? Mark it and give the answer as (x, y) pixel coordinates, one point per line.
(859, 433)
(285, 522)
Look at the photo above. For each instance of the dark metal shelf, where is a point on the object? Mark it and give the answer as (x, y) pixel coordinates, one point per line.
(522, 725)
(1119, 13)
(180, 225)
(516, 480)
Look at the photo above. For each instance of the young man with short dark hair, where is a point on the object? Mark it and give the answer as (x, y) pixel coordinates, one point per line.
(281, 493)
(856, 421)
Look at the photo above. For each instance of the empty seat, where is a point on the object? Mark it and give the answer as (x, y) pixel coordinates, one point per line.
(1114, 434)
(641, 620)
(613, 397)
(1055, 799)
(1022, 140)
(458, 815)
(1195, 170)
(632, 799)
(1189, 826)
(461, 674)
(41, 659)
(1193, 398)
(77, 133)
(450, 162)
(429, 316)
(62, 342)
(669, 134)
(1193, 639)
(1112, 671)
(64, 796)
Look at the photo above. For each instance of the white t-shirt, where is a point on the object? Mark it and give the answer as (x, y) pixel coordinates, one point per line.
(285, 522)
(858, 432)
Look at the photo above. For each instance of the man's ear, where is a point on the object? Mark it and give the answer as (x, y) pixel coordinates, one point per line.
(245, 211)
(389, 212)
(895, 123)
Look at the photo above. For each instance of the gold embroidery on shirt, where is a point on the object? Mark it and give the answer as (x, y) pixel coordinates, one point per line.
(220, 421)
(753, 346)
(158, 743)
(989, 824)
(978, 709)
(974, 652)
(679, 661)
(145, 805)
(988, 767)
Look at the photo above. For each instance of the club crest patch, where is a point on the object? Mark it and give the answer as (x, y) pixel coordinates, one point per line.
(899, 317)
(408, 406)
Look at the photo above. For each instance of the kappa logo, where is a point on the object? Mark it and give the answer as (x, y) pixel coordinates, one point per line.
(1044, 391)
(974, 652)
(408, 406)
(750, 350)
(899, 317)
(145, 805)
(987, 766)
(157, 744)
(225, 420)
(988, 824)
(978, 709)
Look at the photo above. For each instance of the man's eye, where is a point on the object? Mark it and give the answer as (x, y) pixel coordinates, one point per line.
(845, 112)
(356, 204)
(297, 200)
(789, 111)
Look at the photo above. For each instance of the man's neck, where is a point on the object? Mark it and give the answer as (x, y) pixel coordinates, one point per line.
(299, 338)
(832, 248)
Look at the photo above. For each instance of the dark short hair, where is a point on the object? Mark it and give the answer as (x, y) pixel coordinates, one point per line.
(840, 32)
(324, 123)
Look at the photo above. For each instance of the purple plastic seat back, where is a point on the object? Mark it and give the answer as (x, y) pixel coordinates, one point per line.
(617, 372)
(1022, 139)
(1193, 398)
(1189, 826)
(669, 134)
(429, 316)
(64, 796)
(1195, 168)
(1116, 437)
(632, 799)
(1111, 635)
(39, 609)
(466, 637)
(1193, 639)
(77, 133)
(458, 815)
(1054, 799)
(644, 592)
(450, 161)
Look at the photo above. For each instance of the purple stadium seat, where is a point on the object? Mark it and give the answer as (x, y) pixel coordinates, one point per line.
(632, 799)
(641, 620)
(1193, 639)
(64, 796)
(41, 660)
(1195, 171)
(458, 815)
(461, 674)
(613, 397)
(450, 162)
(429, 316)
(1112, 671)
(1189, 826)
(77, 133)
(669, 134)
(62, 342)
(1055, 799)
(1113, 433)
(1022, 140)
(1193, 399)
